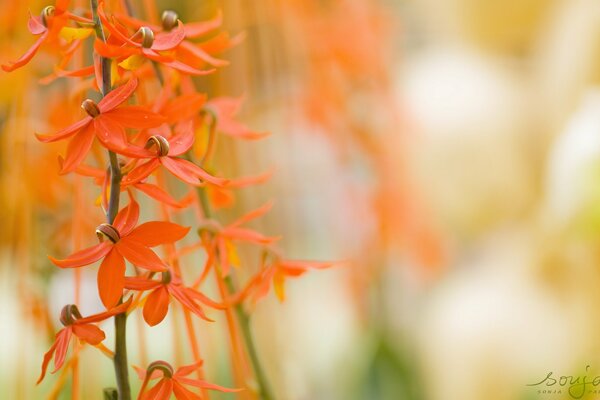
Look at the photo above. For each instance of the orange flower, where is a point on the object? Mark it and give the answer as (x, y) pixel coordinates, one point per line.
(125, 242)
(276, 273)
(166, 155)
(188, 49)
(172, 383)
(83, 328)
(157, 302)
(50, 26)
(153, 45)
(225, 109)
(107, 121)
(221, 238)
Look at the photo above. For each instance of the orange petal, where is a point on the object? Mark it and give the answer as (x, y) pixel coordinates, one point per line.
(158, 232)
(66, 132)
(89, 333)
(121, 308)
(84, 257)
(182, 393)
(25, 58)
(136, 117)
(118, 96)
(205, 385)
(156, 306)
(46, 361)
(190, 172)
(140, 255)
(127, 218)
(77, 149)
(141, 172)
(111, 279)
(158, 194)
(62, 346)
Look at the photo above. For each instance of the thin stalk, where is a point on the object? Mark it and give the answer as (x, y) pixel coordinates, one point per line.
(120, 357)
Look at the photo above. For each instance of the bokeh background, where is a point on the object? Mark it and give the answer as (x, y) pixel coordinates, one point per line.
(447, 152)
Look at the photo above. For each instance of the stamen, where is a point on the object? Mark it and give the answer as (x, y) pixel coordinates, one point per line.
(69, 314)
(147, 36)
(164, 366)
(162, 145)
(104, 231)
(91, 108)
(47, 12)
(169, 20)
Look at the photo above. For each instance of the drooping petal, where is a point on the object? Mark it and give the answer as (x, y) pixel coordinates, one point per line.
(78, 148)
(186, 69)
(158, 232)
(118, 96)
(25, 58)
(194, 294)
(112, 135)
(141, 172)
(66, 132)
(84, 257)
(181, 393)
(158, 194)
(249, 216)
(190, 172)
(62, 346)
(161, 391)
(187, 302)
(138, 117)
(156, 306)
(140, 255)
(195, 51)
(169, 40)
(89, 333)
(46, 361)
(205, 385)
(111, 279)
(248, 235)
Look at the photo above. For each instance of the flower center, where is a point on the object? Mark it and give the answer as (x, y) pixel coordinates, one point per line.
(169, 20)
(69, 314)
(91, 108)
(107, 231)
(162, 145)
(164, 366)
(147, 36)
(47, 12)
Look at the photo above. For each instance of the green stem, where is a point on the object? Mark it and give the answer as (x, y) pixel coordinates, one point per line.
(120, 357)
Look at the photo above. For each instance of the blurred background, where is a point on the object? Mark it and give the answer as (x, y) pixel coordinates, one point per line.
(448, 152)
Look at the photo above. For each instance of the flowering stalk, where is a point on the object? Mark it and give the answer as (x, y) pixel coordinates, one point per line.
(120, 357)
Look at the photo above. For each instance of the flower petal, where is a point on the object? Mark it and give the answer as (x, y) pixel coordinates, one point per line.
(66, 132)
(156, 306)
(158, 194)
(140, 284)
(190, 172)
(77, 149)
(25, 58)
(195, 29)
(187, 302)
(121, 308)
(46, 361)
(111, 279)
(62, 346)
(182, 393)
(138, 117)
(158, 232)
(84, 257)
(89, 333)
(118, 96)
(127, 218)
(169, 40)
(205, 385)
(140, 255)
(141, 172)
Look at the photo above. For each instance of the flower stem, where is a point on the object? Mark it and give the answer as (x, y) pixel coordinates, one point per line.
(120, 357)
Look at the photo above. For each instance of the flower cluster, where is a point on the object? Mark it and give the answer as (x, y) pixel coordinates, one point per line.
(132, 138)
